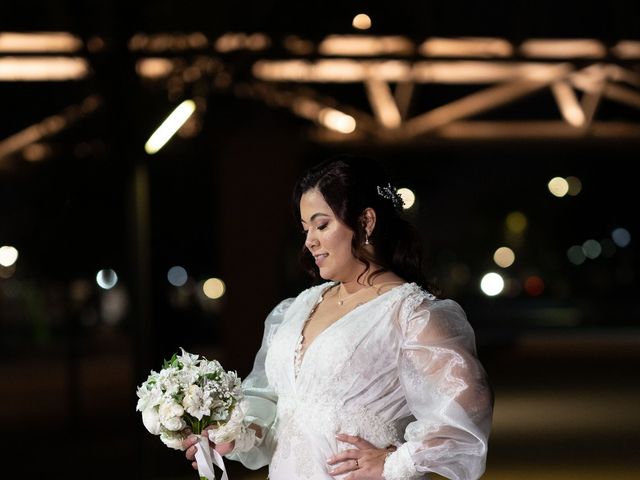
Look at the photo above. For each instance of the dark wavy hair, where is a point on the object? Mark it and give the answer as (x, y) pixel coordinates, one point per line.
(349, 185)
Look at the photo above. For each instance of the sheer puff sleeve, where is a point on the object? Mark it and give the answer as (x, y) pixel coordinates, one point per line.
(447, 392)
(259, 402)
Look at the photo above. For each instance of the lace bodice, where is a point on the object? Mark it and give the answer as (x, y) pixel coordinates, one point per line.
(299, 352)
(397, 370)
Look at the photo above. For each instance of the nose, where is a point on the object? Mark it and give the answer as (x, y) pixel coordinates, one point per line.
(311, 241)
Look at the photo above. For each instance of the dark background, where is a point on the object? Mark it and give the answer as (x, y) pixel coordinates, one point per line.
(563, 363)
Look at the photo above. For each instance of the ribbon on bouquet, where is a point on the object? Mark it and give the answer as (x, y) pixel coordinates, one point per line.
(206, 458)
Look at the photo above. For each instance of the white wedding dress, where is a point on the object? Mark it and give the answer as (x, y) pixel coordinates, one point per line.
(399, 370)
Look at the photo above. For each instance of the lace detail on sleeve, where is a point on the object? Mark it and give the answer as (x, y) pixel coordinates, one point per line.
(414, 299)
(399, 466)
(447, 392)
(245, 441)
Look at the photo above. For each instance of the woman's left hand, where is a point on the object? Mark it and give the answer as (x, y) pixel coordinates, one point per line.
(365, 462)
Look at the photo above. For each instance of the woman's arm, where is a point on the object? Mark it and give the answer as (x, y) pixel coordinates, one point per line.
(447, 391)
(256, 447)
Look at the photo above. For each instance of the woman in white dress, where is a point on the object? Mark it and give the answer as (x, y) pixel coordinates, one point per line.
(367, 375)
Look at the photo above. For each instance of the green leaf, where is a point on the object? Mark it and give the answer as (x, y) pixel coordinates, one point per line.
(169, 363)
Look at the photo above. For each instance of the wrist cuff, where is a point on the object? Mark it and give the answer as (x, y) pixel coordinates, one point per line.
(399, 465)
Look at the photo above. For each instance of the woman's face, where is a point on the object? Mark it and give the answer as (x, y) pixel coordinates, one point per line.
(328, 239)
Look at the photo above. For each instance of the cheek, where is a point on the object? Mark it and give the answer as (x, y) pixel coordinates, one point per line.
(340, 242)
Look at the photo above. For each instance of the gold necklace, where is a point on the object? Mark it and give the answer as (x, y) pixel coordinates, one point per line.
(365, 289)
(341, 301)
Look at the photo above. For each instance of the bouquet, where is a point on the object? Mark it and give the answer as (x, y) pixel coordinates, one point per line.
(188, 394)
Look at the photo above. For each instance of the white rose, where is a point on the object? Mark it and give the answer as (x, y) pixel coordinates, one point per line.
(151, 420)
(171, 416)
(172, 440)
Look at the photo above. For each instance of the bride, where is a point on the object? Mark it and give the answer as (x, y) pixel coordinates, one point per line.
(366, 375)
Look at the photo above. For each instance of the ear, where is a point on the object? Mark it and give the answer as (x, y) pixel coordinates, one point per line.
(368, 219)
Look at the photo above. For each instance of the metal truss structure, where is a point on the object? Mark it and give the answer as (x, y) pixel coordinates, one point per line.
(366, 88)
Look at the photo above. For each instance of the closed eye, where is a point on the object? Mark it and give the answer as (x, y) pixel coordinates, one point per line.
(321, 227)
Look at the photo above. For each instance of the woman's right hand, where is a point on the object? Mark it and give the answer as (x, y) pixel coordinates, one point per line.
(190, 442)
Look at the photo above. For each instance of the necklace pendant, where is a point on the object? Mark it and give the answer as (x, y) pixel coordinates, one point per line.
(340, 302)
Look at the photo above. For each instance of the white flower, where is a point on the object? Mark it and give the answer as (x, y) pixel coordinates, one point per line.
(187, 359)
(149, 396)
(188, 376)
(151, 420)
(172, 440)
(212, 366)
(193, 391)
(195, 403)
(171, 415)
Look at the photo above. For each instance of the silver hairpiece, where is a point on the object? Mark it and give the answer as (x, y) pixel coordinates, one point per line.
(390, 193)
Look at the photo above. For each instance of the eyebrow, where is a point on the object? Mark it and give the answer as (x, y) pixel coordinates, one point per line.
(314, 216)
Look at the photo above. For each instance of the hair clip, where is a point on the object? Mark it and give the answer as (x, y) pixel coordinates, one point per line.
(390, 193)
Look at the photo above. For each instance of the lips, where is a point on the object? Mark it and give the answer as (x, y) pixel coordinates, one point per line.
(320, 258)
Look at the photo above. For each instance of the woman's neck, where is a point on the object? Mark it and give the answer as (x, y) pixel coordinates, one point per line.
(358, 283)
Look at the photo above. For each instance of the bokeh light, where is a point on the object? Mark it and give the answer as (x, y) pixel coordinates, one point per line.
(592, 249)
(492, 284)
(106, 278)
(534, 286)
(177, 276)
(621, 237)
(575, 254)
(575, 186)
(362, 21)
(408, 197)
(337, 120)
(558, 186)
(504, 257)
(516, 222)
(8, 255)
(213, 288)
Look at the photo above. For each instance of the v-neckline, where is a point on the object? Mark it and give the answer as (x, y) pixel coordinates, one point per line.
(339, 320)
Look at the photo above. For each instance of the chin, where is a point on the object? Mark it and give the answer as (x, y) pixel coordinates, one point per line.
(325, 275)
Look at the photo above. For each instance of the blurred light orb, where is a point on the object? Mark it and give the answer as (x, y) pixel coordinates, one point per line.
(177, 276)
(575, 254)
(214, 288)
(337, 120)
(621, 237)
(492, 284)
(8, 255)
(534, 286)
(558, 186)
(575, 186)
(592, 249)
(516, 222)
(408, 197)
(106, 278)
(362, 21)
(504, 257)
